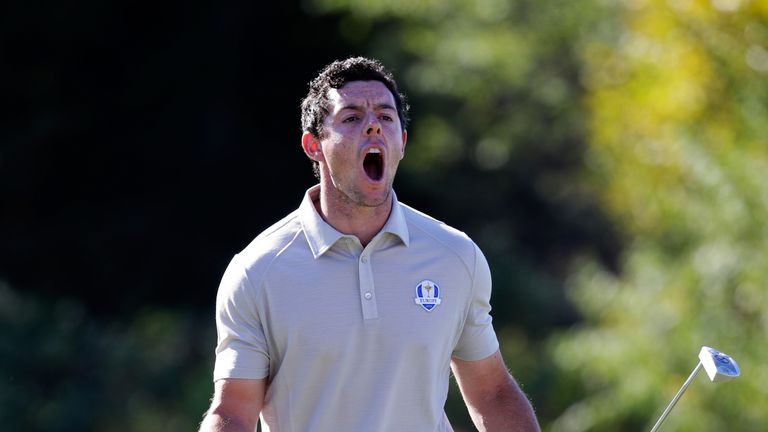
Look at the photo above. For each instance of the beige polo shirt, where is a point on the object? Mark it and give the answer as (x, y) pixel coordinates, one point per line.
(352, 338)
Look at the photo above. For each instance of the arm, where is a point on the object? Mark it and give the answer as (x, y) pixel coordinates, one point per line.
(235, 407)
(493, 398)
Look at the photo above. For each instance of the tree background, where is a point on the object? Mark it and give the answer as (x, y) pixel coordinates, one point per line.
(609, 157)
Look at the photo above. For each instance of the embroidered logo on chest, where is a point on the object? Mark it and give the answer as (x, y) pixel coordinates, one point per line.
(428, 295)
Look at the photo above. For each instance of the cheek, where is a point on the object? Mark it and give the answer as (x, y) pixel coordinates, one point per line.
(395, 158)
(337, 155)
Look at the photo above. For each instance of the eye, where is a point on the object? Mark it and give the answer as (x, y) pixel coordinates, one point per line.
(350, 119)
(387, 117)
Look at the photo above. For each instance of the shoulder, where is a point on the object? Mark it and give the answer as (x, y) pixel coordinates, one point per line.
(423, 227)
(242, 280)
(271, 243)
(434, 228)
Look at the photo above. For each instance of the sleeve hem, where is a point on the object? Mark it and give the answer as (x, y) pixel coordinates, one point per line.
(478, 354)
(240, 373)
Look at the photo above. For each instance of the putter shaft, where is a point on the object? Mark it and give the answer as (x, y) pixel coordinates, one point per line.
(677, 396)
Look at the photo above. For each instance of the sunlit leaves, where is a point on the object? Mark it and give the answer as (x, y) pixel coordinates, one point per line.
(678, 150)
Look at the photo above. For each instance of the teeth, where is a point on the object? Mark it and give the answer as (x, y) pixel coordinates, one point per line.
(374, 150)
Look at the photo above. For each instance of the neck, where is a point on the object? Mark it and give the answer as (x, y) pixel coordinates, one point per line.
(347, 217)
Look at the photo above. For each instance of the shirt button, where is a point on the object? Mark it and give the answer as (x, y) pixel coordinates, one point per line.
(364, 259)
(368, 296)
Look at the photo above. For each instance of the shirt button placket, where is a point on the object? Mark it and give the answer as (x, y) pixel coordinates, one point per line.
(370, 311)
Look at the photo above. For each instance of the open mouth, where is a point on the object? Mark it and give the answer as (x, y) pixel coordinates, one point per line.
(373, 164)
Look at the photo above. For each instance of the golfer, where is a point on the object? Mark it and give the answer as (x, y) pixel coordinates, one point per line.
(349, 314)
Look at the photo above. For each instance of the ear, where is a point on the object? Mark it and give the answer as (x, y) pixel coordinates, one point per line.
(312, 147)
(405, 140)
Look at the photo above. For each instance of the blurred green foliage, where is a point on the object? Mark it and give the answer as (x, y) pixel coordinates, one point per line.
(679, 152)
(66, 371)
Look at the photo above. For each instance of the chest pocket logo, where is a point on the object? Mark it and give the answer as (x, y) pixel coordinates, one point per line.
(428, 295)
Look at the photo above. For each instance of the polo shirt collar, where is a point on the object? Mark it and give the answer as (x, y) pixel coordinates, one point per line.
(321, 236)
(396, 224)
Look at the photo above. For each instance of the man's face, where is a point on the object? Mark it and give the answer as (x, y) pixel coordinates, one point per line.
(362, 142)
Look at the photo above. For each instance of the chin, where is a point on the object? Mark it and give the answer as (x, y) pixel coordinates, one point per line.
(376, 199)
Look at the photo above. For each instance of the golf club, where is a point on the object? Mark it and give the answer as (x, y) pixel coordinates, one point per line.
(719, 366)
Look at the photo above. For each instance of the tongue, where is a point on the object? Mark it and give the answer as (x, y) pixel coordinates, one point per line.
(372, 166)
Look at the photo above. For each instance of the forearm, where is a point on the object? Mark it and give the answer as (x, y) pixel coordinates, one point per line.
(214, 422)
(235, 406)
(507, 410)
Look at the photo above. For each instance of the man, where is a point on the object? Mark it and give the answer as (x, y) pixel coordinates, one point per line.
(348, 314)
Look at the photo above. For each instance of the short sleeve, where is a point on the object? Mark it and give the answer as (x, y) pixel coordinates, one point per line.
(478, 339)
(241, 351)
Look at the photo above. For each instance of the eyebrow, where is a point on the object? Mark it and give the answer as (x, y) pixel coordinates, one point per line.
(361, 108)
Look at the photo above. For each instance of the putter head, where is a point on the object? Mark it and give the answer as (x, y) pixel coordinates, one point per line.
(719, 366)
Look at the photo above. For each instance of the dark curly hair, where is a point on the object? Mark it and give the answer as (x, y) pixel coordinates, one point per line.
(314, 107)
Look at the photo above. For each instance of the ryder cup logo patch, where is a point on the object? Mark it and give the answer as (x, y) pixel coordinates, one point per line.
(427, 295)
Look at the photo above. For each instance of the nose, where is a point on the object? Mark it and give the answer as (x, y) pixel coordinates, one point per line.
(374, 127)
